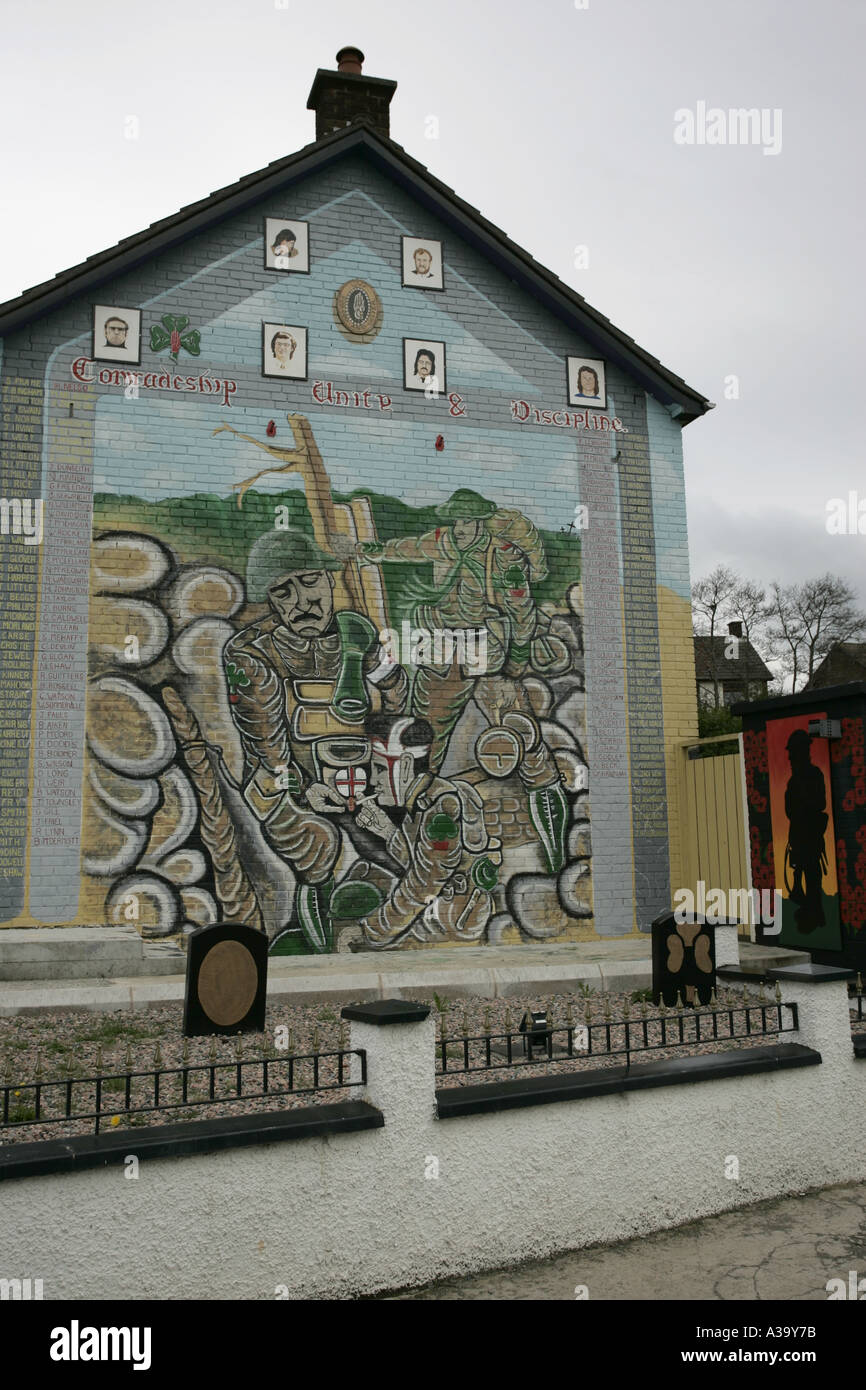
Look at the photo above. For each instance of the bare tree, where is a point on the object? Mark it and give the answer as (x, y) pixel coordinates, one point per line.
(786, 631)
(808, 619)
(711, 597)
(748, 605)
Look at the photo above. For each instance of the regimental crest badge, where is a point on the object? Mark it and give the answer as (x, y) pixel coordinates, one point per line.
(358, 308)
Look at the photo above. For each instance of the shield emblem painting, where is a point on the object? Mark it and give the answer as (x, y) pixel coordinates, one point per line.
(351, 782)
(358, 308)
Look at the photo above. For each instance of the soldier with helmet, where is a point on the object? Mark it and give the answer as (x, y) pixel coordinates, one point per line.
(302, 680)
(485, 559)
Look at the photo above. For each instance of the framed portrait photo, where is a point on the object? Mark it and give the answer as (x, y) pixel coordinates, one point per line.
(116, 334)
(284, 351)
(423, 365)
(287, 245)
(422, 263)
(586, 382)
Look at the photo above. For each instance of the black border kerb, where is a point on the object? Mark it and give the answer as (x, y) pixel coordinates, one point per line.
(548, 1090)
(194, 1137)
(805, 973)
(383, 1011)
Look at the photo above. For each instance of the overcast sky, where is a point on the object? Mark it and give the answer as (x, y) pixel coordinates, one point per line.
(558, 123)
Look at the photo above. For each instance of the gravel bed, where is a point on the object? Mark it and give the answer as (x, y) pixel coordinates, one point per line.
(83, 1041)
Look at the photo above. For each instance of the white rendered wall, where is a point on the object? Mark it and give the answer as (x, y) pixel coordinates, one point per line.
(352, 1214)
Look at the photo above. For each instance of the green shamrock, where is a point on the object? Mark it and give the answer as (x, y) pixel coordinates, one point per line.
(441, 829)
(236, 679)
(172, 335)
(514, 580)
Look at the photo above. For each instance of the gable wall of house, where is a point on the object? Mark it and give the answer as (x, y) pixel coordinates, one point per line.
(114, 799)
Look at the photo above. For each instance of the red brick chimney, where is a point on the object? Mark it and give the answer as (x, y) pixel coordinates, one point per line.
(340, 98)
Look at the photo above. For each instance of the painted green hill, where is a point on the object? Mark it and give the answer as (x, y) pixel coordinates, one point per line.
(209, 529)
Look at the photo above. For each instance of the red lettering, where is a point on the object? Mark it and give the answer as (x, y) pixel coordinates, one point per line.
(79, 369)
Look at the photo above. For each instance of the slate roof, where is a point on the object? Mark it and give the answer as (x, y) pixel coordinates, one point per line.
(747, 666)
(843, 663)
(359, 138)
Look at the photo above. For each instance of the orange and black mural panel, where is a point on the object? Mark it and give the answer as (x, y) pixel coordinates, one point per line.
(806, 791)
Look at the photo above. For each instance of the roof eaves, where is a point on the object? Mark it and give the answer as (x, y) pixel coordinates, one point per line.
(558, 297)
(563, 299)
(168, 231)
(746, 665)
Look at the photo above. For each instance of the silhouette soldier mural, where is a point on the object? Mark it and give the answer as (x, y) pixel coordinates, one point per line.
(805, 807)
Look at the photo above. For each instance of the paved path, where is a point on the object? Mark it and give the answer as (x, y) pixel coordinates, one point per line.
(455, 972)
(784, 1249)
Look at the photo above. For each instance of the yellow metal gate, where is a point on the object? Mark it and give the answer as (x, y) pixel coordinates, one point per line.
(715, 824)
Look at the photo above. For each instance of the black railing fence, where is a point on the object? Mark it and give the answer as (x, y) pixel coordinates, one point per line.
(585, 1029)
(599, 1034)
(106, 1097)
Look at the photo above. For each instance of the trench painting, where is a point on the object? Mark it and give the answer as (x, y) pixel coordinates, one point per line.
(355, 724)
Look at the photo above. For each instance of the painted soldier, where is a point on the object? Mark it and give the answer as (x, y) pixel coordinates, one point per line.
(484, 561)
(434, 832)
(805, 803)
(301, 681)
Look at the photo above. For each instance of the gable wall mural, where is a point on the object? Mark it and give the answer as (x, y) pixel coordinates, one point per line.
(349, 597)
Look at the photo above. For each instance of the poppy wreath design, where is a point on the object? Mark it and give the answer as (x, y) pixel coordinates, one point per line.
(758, 794)
(849, 778)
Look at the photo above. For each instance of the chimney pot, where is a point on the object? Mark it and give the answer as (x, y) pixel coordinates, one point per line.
(350, 60)
(735, 629)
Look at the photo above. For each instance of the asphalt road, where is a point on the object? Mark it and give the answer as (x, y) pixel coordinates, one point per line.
(789, 1248)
